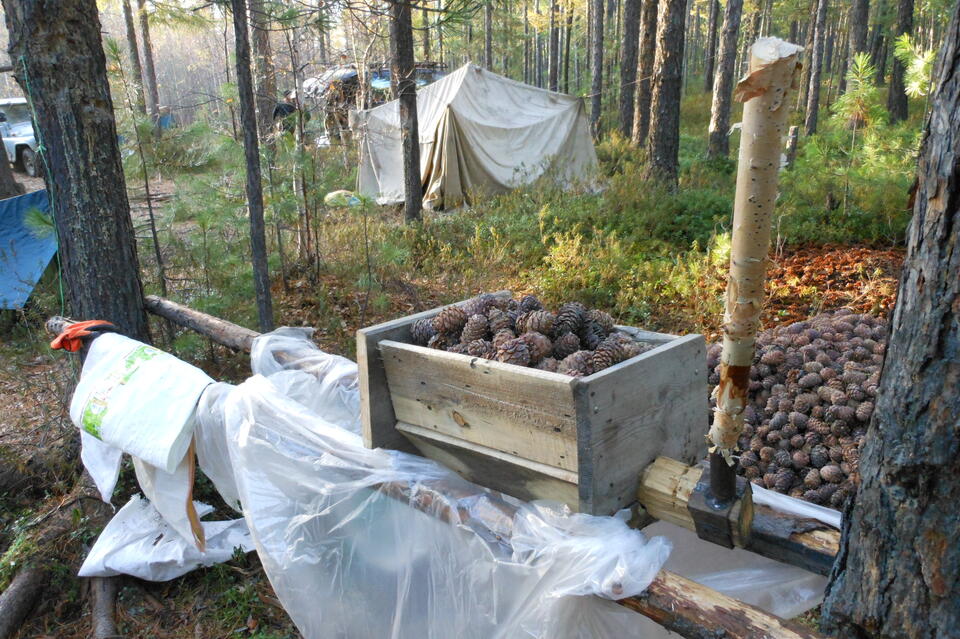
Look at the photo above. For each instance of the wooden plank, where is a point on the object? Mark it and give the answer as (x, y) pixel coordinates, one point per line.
(515, 476)
(376, 409)
(665, 487)
(629, 414)
(521, 411)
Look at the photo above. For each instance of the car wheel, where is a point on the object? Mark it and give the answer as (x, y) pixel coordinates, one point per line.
(28, 159)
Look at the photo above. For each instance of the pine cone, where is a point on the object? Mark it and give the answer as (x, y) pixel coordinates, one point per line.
(749, 458)
(421, 331)
(865, 411)
(548, 364)
(602, 319)
(832, 474)
(536, 321)
(498, 320)
(591, 334)
(539, 344)
(529, 303)
(481, 348)
(479, 305)
(569, 319)
(514, 352)
(782, 458)
(819, 456)
(450, 320)
(440, 341)
(812, 479)
(502, 336)
(475, 328)
(579, 364)
(784, 480)
(801, 459)
(460, 348)
(608, 353)
(565, 345)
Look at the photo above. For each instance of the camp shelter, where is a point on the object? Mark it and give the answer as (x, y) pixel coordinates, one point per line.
(479, 133)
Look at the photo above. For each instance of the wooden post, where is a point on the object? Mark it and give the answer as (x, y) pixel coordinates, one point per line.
(773, 69)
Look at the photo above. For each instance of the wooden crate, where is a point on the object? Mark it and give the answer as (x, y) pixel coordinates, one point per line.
(531, 433)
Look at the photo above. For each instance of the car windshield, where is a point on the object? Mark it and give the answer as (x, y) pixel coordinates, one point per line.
(16, 113)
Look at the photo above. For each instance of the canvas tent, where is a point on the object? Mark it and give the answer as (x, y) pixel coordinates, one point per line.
(479, 133)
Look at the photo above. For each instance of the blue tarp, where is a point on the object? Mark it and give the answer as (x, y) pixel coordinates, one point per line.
(23, 255)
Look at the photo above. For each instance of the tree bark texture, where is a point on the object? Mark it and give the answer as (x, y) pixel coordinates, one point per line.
(263, 62)
(596, 65)
(816, 68)
(487, 35)
(859, 20)
(553, 50)
(710, 55)
(149, 71)
(664, 143)
(8, 186)
(425, 17)
(628, 64)
(896, 95)
(60, 64)
(251, 150)
(404, 68)
(134, 53)
(898, 571)
(718, 144)
(645, 59)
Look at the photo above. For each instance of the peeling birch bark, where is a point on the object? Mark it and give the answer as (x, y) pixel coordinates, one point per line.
(764, 91)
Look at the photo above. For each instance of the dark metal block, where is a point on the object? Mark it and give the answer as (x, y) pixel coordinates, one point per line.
(726, 523)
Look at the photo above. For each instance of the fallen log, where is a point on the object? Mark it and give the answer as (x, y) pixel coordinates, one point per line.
(665, 487)
(690, 609)
(103, 592)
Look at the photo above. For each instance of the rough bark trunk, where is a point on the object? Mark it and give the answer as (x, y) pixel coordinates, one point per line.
(553, 53)
(103, 591)
(898, 570)
(896, 95)
(134, 53)
(8, 186)
(404, 68)
(718, 145)
(710, 54)
(63, 70)
(251, 150)
(425, 17)
(859, 19)
(263, 62)
(628, 64)
(487, 35)
(816, 67)
(596, 64)
(566, 51)
(526, 43)
(149, 71)
(645, 59)
(664, 144)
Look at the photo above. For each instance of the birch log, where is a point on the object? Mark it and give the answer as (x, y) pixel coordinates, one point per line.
(764, 91)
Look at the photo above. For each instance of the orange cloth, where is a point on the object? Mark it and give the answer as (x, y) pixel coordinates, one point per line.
(71, 339)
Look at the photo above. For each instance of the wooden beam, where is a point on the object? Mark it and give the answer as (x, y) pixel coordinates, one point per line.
(220, 331)
(665, 487)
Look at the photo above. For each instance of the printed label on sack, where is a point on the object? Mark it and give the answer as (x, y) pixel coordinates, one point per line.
(94, 411)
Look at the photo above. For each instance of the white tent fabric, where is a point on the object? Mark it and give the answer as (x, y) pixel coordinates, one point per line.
(479, 133)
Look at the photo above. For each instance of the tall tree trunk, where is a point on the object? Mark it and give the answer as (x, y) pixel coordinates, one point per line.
(263, 63)
(645, 59)
(149, 71)
(566, 50)
(134, 53)
(816, 66)
(664, 144)
(859, 19)
(8, 186)
(251, 148)
(718, 145)
(526, 43)
(896, 95)
(404, 69)
(553, 54)
(710, 55)
(628, 64)
(487, 35)
(425, 17)
(898, 568)
(61, 66)
(596, 64)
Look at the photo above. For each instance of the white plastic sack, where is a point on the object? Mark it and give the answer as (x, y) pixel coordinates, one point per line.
(138, 542)
(138, 399)
(332, 540)
(102, 461)
(171, 494)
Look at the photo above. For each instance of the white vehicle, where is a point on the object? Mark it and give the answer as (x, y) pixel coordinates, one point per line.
(16, 127)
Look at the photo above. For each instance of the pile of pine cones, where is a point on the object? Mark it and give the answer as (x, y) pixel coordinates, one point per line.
(812, 390)
(573, 341)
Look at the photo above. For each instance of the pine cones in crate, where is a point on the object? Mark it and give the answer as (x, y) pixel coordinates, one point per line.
(574, 341)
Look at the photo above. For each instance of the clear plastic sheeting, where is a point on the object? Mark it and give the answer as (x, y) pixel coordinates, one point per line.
(373, 543)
